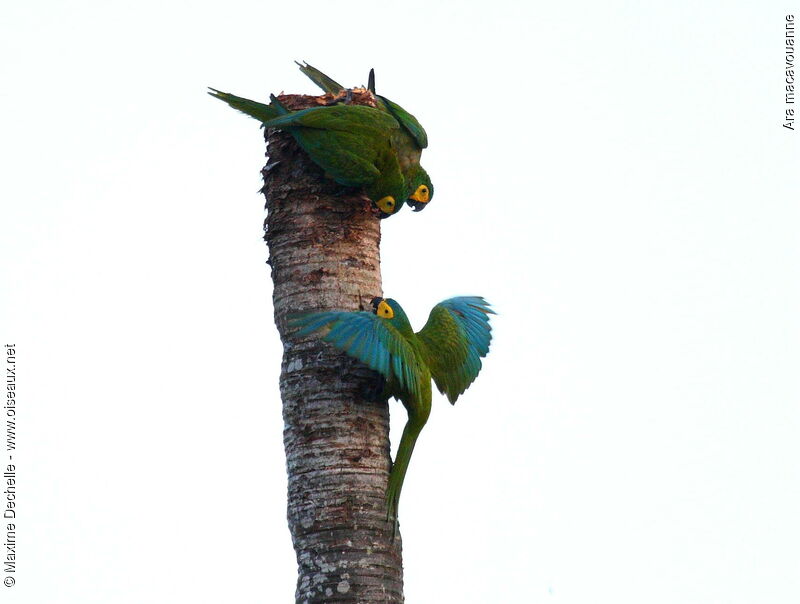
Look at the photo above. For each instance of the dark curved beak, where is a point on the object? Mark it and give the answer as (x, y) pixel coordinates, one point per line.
(417, 206)
(374, 302)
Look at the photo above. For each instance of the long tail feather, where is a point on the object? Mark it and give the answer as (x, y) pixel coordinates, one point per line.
(399, 468)
(320, 79)
(259, 111)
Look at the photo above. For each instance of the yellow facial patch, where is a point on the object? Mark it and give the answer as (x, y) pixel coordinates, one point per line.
(422, 194)
(386, 204)
(384, 310)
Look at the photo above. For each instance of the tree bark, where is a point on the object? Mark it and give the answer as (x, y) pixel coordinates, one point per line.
(323, 243)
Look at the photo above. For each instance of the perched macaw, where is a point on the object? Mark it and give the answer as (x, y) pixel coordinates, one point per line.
(448, 349)
(354, 144)
(411, 144)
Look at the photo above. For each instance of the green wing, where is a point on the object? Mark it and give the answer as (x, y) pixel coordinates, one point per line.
(349, 142)
(344, 157)
(408, 121)
(355, 145)
(457, 336)
(346, 118)
(371, 340)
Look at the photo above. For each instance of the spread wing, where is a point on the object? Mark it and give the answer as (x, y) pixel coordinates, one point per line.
(371, 340)
(457, 336)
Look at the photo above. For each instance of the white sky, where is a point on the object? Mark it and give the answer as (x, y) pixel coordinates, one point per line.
(613, 178)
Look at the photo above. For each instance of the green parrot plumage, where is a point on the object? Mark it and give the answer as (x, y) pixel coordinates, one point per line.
(410, 143)
(448, 349)
(354, 144)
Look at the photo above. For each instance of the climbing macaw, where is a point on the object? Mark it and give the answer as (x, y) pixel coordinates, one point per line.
(411, 144)
(354, 144)
(448, 350)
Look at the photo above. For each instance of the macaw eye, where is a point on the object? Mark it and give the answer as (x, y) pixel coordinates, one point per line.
(386, 204)
(385, 311)
(421, 194)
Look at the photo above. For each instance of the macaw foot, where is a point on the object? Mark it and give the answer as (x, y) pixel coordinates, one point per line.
(373, 389)
(417, 206)
(347, 100)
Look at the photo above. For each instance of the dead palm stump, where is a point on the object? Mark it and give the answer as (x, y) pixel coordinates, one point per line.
(323, 244)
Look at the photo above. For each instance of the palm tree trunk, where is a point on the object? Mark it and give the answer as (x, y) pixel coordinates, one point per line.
(323, 242)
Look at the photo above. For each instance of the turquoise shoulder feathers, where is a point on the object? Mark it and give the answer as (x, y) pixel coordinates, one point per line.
(373, 341)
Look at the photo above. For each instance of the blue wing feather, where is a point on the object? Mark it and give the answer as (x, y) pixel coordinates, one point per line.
(366, 337)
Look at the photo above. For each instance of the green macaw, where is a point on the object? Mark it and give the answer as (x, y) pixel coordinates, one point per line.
(411, 144)
(354, 144)
(448, 350)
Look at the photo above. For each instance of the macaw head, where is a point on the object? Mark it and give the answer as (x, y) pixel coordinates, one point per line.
(388, 194)
(387, 206)
(421, 189)
(389, 310)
